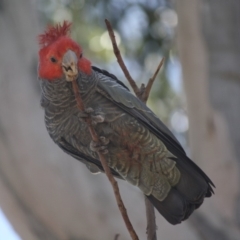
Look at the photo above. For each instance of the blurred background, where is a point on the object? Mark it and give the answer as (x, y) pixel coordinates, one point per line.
(44, 193)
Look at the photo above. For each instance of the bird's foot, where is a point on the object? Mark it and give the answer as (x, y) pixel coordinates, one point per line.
(96, 117)
(89, 110)
(101, 146)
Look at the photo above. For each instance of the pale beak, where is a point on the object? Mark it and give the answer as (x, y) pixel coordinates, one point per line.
(70, 65)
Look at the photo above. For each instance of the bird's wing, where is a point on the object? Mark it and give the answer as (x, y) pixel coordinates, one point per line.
(106, 73)
(125, 100)
(121, 94)
(94, 165)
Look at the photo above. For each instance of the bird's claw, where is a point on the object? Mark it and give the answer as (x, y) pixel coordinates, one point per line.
(96, 118)
(105, 141)
(86, 113)
(89, 110)
(101, 146)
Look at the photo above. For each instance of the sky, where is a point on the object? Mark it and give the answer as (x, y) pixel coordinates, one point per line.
(6, 230)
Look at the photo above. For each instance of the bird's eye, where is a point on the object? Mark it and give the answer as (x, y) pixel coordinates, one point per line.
(80, 55)
(53, 59)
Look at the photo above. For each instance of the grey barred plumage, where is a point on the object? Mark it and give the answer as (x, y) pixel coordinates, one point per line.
(138, 146)
(150, 169)
(141, 149)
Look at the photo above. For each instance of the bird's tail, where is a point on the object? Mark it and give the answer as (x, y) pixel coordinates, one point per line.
(186, 196)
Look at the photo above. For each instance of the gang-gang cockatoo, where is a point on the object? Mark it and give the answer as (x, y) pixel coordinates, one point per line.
(138, 147)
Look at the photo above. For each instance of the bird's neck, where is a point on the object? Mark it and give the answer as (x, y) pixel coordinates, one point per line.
(60, 91)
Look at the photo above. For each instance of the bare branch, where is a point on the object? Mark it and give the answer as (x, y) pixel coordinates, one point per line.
(120, 60)
(148, 88)
(104, 164)
(142, 93)
(151, 220)
(116, 236)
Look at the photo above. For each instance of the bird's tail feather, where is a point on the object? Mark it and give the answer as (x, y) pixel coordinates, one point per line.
(183, 198)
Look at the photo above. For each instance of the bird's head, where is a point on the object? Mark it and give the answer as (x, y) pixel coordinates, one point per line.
(59, 55)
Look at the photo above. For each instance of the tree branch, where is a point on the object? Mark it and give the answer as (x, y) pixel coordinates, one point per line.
(104, 164)
(146, 90)
(116, 236)
(151, 220)
(120, 60)
(142, 93)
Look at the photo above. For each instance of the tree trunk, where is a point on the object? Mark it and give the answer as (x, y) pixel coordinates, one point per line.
(208, 43)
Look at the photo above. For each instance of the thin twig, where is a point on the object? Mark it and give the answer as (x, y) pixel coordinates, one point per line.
(117, 236)
(120, 60)
(143, 94)
(104, 164)
(151, 220)
(148, 88)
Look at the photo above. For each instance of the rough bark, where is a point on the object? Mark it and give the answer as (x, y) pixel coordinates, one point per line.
(209, 59)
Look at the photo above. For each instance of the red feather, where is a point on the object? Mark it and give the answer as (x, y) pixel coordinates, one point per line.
(53, 33)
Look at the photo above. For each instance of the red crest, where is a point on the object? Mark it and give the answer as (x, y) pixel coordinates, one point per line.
(53, 33)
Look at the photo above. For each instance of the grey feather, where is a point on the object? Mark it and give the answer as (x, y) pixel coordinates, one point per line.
(141, 148)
